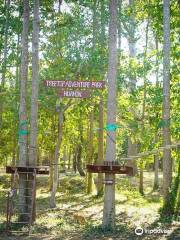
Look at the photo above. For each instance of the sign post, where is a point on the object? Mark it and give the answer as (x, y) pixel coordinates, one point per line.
(75, 84)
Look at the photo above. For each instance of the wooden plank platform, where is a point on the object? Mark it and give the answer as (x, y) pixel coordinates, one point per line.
(28, 169)
(112, 169)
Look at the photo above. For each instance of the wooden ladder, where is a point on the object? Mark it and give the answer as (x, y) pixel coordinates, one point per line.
(14, 222)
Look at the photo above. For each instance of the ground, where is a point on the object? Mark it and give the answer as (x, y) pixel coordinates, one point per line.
(78, 216)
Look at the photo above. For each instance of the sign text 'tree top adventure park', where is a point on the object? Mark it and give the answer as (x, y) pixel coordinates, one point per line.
(75, 84)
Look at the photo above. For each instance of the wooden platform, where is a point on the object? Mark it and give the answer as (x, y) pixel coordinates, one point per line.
(28, 169)
(112, 169)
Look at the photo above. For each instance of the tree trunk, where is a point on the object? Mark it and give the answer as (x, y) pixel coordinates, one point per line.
(22, 111)
(34, 96)
(100, 187)
(79, 153)
(132, 147)
(75, 160)
(109, 197)
(69, 159)
(167, 161)
(156, 172)
(35, 87)
(51, 155)
(141, 182)
(51, 170)
(56, 158)
(64, 158)
(79, 161)
(156, 156)
(90, 151)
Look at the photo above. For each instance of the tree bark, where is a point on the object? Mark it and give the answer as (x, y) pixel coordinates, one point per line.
(90, 151)
(69, 159)
(35, 87)
(100, 187)
(109, 196)
(64, 158)
(34, 96)
(56, 158)
(61, 112)
(156, 156)
(132, 147)
(156, 172)
(141, 182)
(167, 161)
(75, 160)
(22, 110)
(79, 153)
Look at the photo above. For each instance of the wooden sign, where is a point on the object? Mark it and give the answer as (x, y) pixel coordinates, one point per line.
(75, 84)
(74, 93)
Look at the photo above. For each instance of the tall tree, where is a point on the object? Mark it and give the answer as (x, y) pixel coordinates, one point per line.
(167, 161)
(56, 158)
(90, 149)
(141, 173)
(61, 110)
(100, 146)
(23, 107)
(156, 156)
(35, 86)
(34, 94)
(100, 159)
(132, 147)
(109, 197)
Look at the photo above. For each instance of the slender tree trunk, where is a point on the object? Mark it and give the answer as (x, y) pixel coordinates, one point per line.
(79, 153)
(22, 111)
(56, 158)
(109, 197)
(141, 182)
(34, 96)
(75, 160)
(64, 158)
(51, 170)
(156, 156)
(7, 6)
(16, 104)
(35, 87)
(61, 111)
(167, 161)
(90, 151)
(156, 172)
(100, 187)
(132, 147)
(100, 147)
(69, 159)
(79, 161)
(141, 178)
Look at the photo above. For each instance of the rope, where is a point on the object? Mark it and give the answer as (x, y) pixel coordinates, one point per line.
(154, 151)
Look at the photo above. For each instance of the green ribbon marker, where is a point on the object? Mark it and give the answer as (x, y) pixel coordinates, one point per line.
(23, 132)
(111, 127)
(23, 123)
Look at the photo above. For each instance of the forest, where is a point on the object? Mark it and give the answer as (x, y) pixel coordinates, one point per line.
(89, 119)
